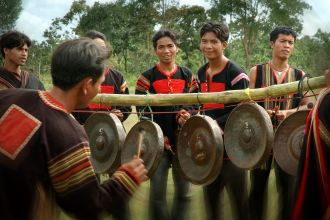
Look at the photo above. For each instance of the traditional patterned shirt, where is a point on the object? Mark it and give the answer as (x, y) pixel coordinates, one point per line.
(13, 80)
(44, 157)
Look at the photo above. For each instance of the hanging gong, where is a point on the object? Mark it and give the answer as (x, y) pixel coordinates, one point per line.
(289, 138)
(106, 137)
(248, 135)
(146, 140)
(200, 150)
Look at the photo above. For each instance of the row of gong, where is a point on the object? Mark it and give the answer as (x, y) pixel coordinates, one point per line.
(249, 139)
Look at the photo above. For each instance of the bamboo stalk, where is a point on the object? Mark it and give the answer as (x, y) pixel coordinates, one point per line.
(226, 97)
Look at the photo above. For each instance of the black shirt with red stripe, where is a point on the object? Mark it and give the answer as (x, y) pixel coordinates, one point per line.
(231, 77)
(155, 81)
(114, 83)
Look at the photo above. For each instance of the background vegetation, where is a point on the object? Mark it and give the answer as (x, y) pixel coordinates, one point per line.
(130, 24)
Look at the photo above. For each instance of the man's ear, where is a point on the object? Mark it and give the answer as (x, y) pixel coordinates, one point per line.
(224, 44)
(86, 84)
(271, 44)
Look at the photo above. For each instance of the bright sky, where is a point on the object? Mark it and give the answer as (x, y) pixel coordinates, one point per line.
(37, 15)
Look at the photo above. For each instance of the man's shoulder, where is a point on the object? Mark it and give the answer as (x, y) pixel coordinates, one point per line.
(234, 67)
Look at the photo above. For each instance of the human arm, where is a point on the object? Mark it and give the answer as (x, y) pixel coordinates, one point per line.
(74, 181)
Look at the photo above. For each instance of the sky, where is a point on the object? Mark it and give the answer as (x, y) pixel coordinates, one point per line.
(37, 15)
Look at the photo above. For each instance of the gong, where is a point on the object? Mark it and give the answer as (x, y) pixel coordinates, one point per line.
(200, 150)
(289, 138)
(146, 140)
(106, 137)
(248, 135)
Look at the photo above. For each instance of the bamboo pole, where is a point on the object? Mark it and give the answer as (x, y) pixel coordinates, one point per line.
(226, 97)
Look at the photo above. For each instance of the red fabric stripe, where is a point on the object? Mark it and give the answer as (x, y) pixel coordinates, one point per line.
(99, 106)
(324, 178)
(140, 83)
(107, 89)
(166, 86)
(214, 87)
(15, 129)
(297, 211)
(71, 172)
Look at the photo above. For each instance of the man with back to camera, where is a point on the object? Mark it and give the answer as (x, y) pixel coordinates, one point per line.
(44, 151)
(14, 47)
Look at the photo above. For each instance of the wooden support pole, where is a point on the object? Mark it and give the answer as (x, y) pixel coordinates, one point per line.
(226, 97)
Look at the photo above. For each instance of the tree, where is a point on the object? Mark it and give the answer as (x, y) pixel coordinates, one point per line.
(186, 21)
(9, 12)
(252, 19)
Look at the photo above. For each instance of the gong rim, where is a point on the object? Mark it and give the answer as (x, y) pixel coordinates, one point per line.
(152, 145)
(289, 140)
(205, 171)
(248, 140)
(105, 157)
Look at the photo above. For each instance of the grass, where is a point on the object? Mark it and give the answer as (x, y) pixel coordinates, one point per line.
(139, 202)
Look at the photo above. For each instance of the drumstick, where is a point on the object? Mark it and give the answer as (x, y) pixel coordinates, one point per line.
(140, 138)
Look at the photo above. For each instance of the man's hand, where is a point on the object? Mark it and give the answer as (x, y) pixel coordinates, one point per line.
(137, 168)
(182, 117)
(118, 113)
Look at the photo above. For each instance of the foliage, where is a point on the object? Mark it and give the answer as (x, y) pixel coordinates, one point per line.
(251, 19)
(130, 24)
(9, 12)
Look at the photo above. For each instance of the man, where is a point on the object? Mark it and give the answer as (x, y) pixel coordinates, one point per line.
(14, 49)
(44, 151)
(313, 180)
(167, 77)
(217, 75)
(276, 71)
(114, 83)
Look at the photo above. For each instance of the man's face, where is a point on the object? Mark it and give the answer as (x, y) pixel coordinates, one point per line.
(166, 50)
(283, 46)
(211, 46)
(17, 55)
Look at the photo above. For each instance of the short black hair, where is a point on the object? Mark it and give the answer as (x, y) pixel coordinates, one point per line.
(75, 60)
(93, 34)
(12, 39)
(281, 30)
(220, 29)
(165, 33)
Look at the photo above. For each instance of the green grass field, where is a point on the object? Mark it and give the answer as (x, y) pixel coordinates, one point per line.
(139, 202)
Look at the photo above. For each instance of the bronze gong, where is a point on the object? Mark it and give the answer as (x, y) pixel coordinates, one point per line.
(106, 137)
(146, 140)
(200, 150)
(289, 138)
(248, 135)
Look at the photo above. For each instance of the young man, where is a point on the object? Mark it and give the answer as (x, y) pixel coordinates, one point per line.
(44, 151)
(114, 83)
(14, 49)
(313, 180)
(217, 75)
(167, 77)
(276, 71)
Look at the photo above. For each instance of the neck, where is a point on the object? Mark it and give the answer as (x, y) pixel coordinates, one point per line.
(12, 67)
(64, 97)
(217, 64)
(167, 67)
(279, 64)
